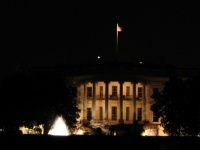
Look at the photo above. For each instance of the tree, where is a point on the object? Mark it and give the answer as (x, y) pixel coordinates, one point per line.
(15, 100)
(54, 97)
(168, 106)
(192, 108)
(37, 97)
(178, 107)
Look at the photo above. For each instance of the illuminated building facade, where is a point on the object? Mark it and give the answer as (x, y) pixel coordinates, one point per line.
(116, 92)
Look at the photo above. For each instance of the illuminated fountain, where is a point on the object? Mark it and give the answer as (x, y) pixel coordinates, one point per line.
(59, 127)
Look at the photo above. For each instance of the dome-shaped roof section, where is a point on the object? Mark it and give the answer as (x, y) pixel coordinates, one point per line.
(100, 67)
(121, 70)
(114, 63)
(118, 63)
(114, 66)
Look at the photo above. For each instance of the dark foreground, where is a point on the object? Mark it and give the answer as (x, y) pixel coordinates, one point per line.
(49, 142)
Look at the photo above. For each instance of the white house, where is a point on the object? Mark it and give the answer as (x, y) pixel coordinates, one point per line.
(118, 92)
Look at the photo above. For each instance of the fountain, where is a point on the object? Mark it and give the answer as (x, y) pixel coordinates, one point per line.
(59, 128)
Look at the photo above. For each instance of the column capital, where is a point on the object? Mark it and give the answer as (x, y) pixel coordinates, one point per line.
(121, 82)
(106, 81)
(134, 82)
(93, 81)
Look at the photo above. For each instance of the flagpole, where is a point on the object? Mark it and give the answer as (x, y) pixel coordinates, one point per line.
(117, 42)
(118, 29)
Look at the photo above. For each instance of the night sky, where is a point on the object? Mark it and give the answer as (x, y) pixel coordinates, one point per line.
(49, 33)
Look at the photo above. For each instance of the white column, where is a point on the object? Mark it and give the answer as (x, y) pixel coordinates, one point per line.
(106, 101)
(121, 103)
(134, 102)
(94, 101)
(144, 102)
(84, 101)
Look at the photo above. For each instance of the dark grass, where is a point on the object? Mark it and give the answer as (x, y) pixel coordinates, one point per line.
(96, 142)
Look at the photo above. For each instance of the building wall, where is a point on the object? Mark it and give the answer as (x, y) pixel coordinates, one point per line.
(95, 102)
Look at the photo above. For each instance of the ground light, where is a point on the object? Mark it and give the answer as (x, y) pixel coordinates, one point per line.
(59, 127)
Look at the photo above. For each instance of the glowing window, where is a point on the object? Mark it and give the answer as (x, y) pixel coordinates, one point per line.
(114, 90)
(139, 92)
(139, 117)
(128, 91)
(127, 113)
(101, 113)
(114, 113)
(101, 91)
(89, 92)
(89, 114)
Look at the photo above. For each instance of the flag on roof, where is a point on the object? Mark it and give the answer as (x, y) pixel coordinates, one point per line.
(119, 29)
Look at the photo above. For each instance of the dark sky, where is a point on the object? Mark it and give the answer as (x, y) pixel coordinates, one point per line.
(48, 33)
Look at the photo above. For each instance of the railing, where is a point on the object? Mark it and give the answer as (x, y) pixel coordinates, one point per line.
(113, 97)
(100, 96)
(129, 97)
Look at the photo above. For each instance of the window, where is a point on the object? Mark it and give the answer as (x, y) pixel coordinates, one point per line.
(101, 91)
(89, 114)
(139, 92)
(128, 91)
(114, 90)
(114, 113)
(155, 117)
(89, 91)
(139, 114)
(101, 113)
(127, 113)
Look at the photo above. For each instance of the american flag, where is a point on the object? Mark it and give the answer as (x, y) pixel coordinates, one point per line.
(119, 29)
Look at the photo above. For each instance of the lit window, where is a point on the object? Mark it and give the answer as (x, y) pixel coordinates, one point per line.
(139, 114)
(128, 91)
(139, 92)
(89, 114)
(89, 92)
(101, 113)
(114, 90)
(127, 113)
(114, 113)
(101, 91)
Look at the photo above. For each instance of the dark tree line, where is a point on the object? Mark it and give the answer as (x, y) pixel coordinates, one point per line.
(178, 106)
(29, 98)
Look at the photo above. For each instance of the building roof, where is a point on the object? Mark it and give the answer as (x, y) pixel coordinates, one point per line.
(120, 70)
